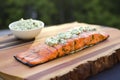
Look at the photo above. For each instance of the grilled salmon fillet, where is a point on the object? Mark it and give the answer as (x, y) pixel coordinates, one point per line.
(43, 52)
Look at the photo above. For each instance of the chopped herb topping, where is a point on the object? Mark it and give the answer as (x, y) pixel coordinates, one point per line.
(72, 33)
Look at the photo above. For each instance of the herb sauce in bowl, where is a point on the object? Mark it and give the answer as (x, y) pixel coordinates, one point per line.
(26, 29)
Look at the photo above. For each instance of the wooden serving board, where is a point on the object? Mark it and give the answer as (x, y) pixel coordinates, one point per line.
(10, 69)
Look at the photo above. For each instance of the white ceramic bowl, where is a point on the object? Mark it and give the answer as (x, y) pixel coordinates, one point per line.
(26, 34)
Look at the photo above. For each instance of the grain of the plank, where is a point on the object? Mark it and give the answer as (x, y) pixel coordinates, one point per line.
(10, 69)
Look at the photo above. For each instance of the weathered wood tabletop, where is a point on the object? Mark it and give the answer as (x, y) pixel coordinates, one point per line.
(10, 69)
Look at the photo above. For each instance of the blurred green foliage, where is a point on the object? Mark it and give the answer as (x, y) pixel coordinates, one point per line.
(102, 12)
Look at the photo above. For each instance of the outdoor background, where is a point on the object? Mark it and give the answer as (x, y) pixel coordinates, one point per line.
(52, 12)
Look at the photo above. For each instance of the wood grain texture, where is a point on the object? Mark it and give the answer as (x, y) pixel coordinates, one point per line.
(10, 40)
(82, 62)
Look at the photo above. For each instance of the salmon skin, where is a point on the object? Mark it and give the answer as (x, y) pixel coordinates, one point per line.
(42, 53)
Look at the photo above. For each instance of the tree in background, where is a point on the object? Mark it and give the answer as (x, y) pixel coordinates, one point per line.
(12, 10)
(61, 11)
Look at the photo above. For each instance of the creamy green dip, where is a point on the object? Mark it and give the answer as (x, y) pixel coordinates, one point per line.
(28, 24)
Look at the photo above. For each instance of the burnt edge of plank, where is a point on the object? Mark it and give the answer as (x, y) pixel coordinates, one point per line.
(91, 68)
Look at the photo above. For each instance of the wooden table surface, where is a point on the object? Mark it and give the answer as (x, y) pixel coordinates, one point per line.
(9, 66)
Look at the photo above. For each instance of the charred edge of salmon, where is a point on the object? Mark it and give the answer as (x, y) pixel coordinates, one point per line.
(30, 65)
